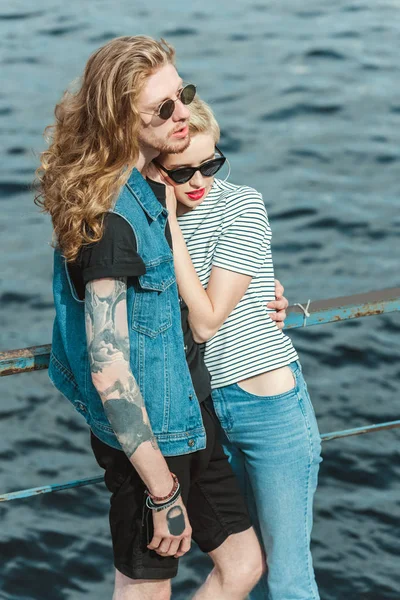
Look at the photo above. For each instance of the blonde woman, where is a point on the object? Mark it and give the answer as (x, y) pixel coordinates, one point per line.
(225, 274)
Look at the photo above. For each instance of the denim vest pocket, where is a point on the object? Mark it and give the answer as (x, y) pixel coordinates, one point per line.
(159, 275)
(152, 311)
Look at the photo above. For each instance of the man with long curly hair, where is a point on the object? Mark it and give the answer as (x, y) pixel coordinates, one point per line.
(122, 351)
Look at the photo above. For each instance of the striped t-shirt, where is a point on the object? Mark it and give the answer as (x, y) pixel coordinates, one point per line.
(230, 229)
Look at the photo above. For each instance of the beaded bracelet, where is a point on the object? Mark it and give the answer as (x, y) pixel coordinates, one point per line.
(158, 507)
(168, 496)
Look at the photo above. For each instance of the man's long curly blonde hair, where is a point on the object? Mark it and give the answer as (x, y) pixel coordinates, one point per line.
(94, 141)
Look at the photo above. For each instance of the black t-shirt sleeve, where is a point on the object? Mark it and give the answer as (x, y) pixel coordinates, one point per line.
(115, 255)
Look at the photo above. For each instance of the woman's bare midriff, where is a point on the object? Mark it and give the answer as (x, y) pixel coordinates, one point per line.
(271, 383)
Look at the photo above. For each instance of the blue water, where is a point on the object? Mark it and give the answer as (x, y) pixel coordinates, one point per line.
(308, 98)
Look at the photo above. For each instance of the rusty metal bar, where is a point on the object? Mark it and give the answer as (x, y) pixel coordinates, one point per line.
(322, 311)
(335, 435)
(344, 308)
(56, 487)
(34, 358)
(45, 489)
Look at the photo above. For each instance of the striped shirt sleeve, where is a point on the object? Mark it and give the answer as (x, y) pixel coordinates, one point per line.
(246, 235)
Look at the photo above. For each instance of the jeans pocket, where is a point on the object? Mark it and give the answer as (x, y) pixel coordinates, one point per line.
(221, 409)
(304, 391)
(308, 400)
(116, 483)
(147, 524)
(311, 423)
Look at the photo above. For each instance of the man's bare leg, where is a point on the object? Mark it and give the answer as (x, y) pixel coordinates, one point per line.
(140, 589)
(238, 565)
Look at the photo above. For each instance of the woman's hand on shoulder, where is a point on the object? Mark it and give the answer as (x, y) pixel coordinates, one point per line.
(170, 201)
(170, 198)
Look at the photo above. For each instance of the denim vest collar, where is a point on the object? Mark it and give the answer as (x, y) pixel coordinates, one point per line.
(139, 187)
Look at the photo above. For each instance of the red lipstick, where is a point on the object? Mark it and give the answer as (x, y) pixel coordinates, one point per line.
(196, 194)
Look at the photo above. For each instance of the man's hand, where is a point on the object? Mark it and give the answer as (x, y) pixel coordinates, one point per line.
(172, 531)
(280, 305)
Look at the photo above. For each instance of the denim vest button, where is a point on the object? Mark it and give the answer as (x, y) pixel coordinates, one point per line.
(185, 347)
(190, 396)
(191, 443)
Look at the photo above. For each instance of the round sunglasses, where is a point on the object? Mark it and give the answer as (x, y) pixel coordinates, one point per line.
(166, 109)
(185, 174)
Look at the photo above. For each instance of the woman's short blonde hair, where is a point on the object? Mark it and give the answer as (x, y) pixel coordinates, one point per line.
(202, 119)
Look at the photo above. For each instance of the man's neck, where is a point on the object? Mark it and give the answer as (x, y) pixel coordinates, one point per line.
(146, 155)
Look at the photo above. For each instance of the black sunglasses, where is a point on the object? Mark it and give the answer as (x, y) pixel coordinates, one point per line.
(185, 174)
(166, 109)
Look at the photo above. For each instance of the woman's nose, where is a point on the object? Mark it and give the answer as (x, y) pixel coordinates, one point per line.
(197, 180)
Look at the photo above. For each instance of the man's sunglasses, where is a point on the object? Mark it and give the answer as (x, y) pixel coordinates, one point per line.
(185, 174)
(166, 109)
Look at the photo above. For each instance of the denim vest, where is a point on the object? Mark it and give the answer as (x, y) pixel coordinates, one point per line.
(157, 354)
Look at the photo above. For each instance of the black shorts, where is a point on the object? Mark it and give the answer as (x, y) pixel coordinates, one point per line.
(210, 493)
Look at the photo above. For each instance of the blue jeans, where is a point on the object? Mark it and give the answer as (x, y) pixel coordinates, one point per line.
(274, 447)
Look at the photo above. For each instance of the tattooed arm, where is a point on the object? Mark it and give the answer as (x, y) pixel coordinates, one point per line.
(108, 347)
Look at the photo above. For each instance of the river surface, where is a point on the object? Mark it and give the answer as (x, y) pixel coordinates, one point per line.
(308, 98)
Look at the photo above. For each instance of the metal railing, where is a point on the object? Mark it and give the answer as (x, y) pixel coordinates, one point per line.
(36, 358)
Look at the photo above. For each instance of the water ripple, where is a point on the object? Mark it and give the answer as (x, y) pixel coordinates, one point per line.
(12, 188)
(21, 16)
(296, 110)
(325, 53)
(61, 31)
(180, 32)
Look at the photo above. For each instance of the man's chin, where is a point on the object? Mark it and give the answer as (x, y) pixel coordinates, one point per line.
(176, 146)
(168, 146)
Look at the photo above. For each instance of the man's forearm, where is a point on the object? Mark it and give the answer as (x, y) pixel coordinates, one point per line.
(109, 350)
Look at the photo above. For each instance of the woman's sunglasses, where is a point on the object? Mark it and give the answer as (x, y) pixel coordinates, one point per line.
(166, 109)
(185, 174)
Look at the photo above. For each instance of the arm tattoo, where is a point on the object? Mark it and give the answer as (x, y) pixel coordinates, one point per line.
(176, 520)
(107, 341)
(109, 351)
